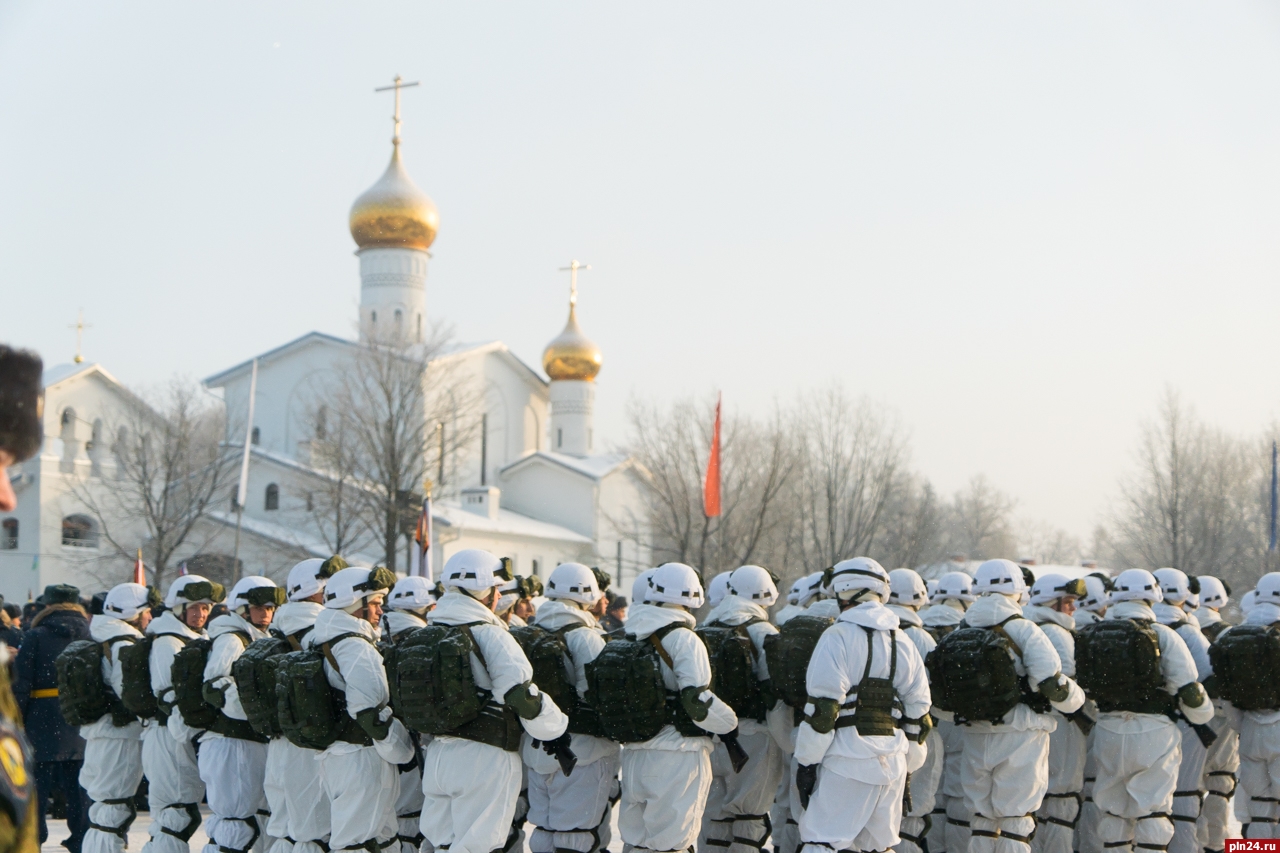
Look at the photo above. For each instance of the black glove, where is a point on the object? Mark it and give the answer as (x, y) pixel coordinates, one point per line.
(737, 755)
(1081, 719)
(559, 749)
(806, 779)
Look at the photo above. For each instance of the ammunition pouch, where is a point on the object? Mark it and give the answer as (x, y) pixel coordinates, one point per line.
(678, 715)
(875, 699)
(693, 704)
(497, 725)
(371, 725)
(825, 713)
(524, 701)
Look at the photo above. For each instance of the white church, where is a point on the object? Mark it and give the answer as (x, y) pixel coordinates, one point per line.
(532, 486)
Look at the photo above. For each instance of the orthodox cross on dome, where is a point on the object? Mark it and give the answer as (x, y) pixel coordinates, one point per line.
(572, 269)
(80, 325)
(397, 85)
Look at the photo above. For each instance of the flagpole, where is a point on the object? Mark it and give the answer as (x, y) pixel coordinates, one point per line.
(242, 490)
(1275, 498)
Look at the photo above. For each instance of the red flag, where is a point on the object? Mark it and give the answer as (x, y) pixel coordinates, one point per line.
(139, 570)
(420, 557)
(711, 485)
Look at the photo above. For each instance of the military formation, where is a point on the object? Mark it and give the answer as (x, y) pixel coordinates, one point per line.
(998, 713)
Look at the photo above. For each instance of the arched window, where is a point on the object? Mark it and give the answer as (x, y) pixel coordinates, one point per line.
(399, 316)
(322, 416)
(9, 534)
(373, 316)
(79, 531)
(273, 497)
(95, 449)
(256, 436)
(68, 422)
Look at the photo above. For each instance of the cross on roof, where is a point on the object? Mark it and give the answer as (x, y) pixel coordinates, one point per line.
(397, 85)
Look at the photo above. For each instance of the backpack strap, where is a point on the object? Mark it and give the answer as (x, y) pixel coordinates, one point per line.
(123, 638)
(326, 648)
(655, 639)
(475, 647)
(295, 639)
(998, 628)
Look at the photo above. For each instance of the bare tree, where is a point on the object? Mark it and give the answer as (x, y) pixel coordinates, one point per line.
(914, 524)
(851, 456)
(1041, 541)
(338, 505)
(169, 467)
(979, 522)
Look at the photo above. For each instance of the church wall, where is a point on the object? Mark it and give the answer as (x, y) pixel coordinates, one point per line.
(547, 553)
(548, 492)
(620, 521)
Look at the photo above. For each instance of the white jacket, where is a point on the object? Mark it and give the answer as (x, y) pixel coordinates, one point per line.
(1176, 664)
(1038, 661)
(1086, 617)
(504, 665)
(361, 677)
(835, 671)
(101, 629)
(1206, 616)
(227, 648)
(826, 607)
(1057, 627)
(167, 629)
(733, 611)
(692, 669)
(295, 617)
(909, 623)
(942, 614)
(780, 618)
(1189, 630)
(396, 622)
(584, 640)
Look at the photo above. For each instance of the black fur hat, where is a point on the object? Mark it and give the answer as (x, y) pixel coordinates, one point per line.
(60, 593)
(21, 401)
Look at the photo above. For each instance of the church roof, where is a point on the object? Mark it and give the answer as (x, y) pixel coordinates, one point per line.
(217, 380)
(62, 372)
(450, 514)
(597, 466)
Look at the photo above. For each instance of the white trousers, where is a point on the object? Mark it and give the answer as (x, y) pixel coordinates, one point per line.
(1259, 776)
(786, 828)
(1058, 813)
(1086, 837)
(298, 805)
(951, 827)
(845, 814)
(1188, 795)
(362, 789)
(233, 771)
(1137, 775)
(1004, 775)
(409, 810)
(572, 812)
(1221, 765)
(922, 788)
(174, 790)
(469, 794)
(110, 776)
(737, 811)
(663, 796)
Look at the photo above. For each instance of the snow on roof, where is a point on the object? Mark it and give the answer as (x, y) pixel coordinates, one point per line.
(62, 372)
(597, 466)
(284, 536)
(507, 523)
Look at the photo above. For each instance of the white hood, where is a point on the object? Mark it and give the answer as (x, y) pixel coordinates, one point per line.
(1261, 614)
(942, 614)
(1171, 614)
(1207, 616)
(399, 621)
(103, 628)
(870, 614)
(828, 608)
(906, 615)
(168, 623)
(644, 619)
(1040, 614)
(555, 614)
(294, 616)
(332, 623)
(1131, 610)
(232, 623)
(992, 609)
(456, 608)
(734, 611)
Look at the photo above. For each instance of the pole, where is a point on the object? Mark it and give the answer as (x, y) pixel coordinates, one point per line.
(440, 434)
(242, 490)
(1275, 494)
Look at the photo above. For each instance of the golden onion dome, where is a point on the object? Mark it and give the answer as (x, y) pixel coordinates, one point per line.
(394, 212)
(572, 355)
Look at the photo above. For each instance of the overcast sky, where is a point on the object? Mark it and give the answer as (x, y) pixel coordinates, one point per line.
(1013, 224)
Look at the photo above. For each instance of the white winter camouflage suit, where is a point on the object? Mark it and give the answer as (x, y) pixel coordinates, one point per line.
(922, 784)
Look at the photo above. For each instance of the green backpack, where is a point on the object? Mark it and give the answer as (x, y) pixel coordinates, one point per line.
(313, 714)
(1246, 661)
(189, 695)
(787, 655)
(83, 696)
(255, 675)
(733, 676)
(624, 686)
(972, 674)
(1118, 666)
(135, 670)
(548, 654)
(432, 686)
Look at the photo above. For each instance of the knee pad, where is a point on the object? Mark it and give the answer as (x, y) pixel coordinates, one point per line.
(193, 821)
(1021, 829)
(753, 824)
(1220, 783)
(1186, 805)
(981, 826)
(1061, 809)
(121, 831)
(1153, 832)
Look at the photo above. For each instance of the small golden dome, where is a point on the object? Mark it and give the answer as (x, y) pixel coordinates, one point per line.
(572, 355)
(394, 212)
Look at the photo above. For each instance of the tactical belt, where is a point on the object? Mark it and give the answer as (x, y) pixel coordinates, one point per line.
(253, 826)
(193, 821)
(1226, 795)
(497, 725)
(875, 699)
(737, 839)
(1071, 795)
(121, 831)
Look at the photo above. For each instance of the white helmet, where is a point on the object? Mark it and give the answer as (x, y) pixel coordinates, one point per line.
(414, 593)
(754, 584)
(907, 589)
(860, 573)
(475, 570)
(1248, 601)
(351, 588)
(1175, 586)
(957, 585)
(718, 588)
(1213, 592)
(1049, 588)
(1096, 595)
(309, 577)
(675, 583)
(1268, 589)
(573, 582)
(640, 587)
(246, 592)
(509, 594)
(999, 576)
(797, 590)
(125, 601)
(193, 589)
(811, 588)
(1136, 585)
(931, 587)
